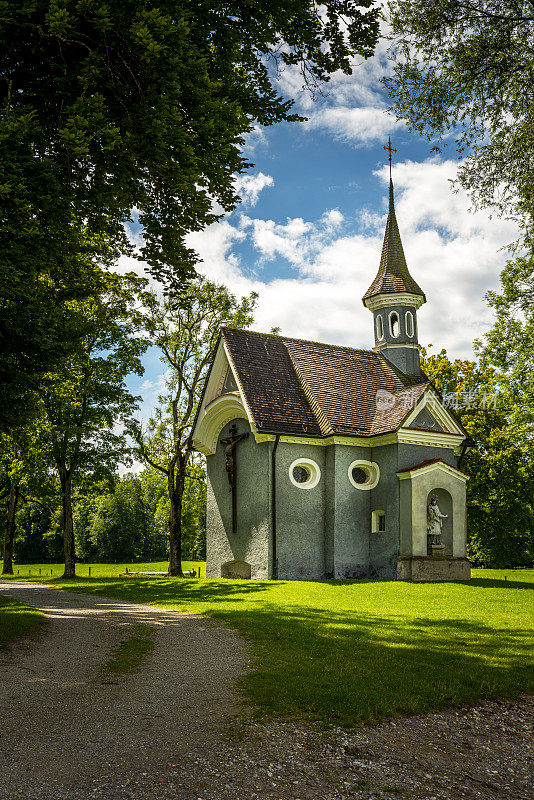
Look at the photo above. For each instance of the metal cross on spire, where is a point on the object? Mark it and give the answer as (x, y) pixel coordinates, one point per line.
(390, 150)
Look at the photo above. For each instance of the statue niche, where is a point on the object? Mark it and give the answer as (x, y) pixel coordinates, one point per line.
(434, 526)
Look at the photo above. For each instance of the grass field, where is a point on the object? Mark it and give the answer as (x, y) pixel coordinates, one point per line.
(17, 620)
(348, 652)
(130, 653)
(46, 571)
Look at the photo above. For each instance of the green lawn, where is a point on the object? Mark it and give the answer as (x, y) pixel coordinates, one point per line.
(46, 571)
(17, 620)
(131, 652)
(348, 652)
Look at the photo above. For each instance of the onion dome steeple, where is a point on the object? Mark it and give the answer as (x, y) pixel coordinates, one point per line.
(394, 297)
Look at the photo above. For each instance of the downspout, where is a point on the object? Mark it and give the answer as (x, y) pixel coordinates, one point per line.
(273, 506)
(468, 443)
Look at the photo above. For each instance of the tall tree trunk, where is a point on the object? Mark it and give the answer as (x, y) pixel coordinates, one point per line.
(9, 529)
(68, 525)
(176, 493)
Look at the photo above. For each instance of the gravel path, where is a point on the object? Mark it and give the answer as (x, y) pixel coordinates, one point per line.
(67, 732)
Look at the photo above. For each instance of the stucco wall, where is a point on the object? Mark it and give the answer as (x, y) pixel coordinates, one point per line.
(410, 455)
(325, 531)
(384, 546)
(252, 542)
(352, 517)
(300, 543)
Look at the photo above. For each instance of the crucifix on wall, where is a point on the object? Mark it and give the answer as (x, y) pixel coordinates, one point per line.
(231, 467)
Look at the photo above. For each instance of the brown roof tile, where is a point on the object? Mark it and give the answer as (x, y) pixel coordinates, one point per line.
(295, 386)
(427, 464)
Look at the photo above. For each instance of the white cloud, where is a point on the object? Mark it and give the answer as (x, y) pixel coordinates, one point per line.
(454, 255)
(249, 187)
(362, 125)
(254, 140)
(353, 107)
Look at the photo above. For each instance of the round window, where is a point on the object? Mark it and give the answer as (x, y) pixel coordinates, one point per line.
(364, 474)
(304, 473)
(301, 473)
(360, 475)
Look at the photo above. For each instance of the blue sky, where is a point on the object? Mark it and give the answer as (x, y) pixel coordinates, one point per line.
(307, 236)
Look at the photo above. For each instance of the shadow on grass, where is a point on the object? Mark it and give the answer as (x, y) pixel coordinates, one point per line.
(168, 590)
(495, 583)
(348, 669)
(350, 665)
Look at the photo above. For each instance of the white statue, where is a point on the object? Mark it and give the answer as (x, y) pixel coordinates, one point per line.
(434, 521)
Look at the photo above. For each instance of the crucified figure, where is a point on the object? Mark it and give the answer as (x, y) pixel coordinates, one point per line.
(229, 453)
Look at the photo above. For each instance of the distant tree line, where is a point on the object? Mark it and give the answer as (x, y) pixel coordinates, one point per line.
(122, 521)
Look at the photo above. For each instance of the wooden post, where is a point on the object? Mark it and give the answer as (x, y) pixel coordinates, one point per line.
(89, 571)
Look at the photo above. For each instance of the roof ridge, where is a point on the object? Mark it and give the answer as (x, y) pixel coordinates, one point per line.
(304, 341)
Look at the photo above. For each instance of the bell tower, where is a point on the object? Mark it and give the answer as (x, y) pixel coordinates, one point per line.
(394, 297)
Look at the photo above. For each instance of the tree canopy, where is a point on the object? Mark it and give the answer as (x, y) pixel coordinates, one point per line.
(85, 401)
(500, 490)
(113, 110)
(463, 69)
(109, 106)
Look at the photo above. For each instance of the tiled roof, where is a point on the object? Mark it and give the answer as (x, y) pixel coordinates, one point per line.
(427, 463)
(393, 275)
(314, 389)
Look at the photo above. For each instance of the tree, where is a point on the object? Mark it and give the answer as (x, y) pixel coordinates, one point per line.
(464, 68)
(85, 401)
(186, 331)
(500, 491)
(11, 480)
(25, 477)
(107, 107)
(194, 511)
(119, 525)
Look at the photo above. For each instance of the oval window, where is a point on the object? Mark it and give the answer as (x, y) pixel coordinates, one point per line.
(409, 323)
(394, 324)
(379, 327)
(364, 474)
(304, 473)
(360, 475)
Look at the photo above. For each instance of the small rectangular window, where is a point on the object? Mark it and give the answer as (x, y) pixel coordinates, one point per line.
(378, 521)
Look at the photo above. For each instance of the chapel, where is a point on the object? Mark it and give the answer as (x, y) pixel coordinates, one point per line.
(325, 461)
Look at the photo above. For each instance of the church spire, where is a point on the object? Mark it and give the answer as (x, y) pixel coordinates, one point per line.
(394, 297)
(393, 275)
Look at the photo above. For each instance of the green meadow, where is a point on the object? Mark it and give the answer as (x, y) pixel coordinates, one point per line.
(354, 651)
(33, 572)
(18, 620)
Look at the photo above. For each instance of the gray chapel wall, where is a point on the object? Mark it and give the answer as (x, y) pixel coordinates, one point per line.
(412, 454)
(352, 516)
(252, 542)
(300, 516)
(384, 545)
